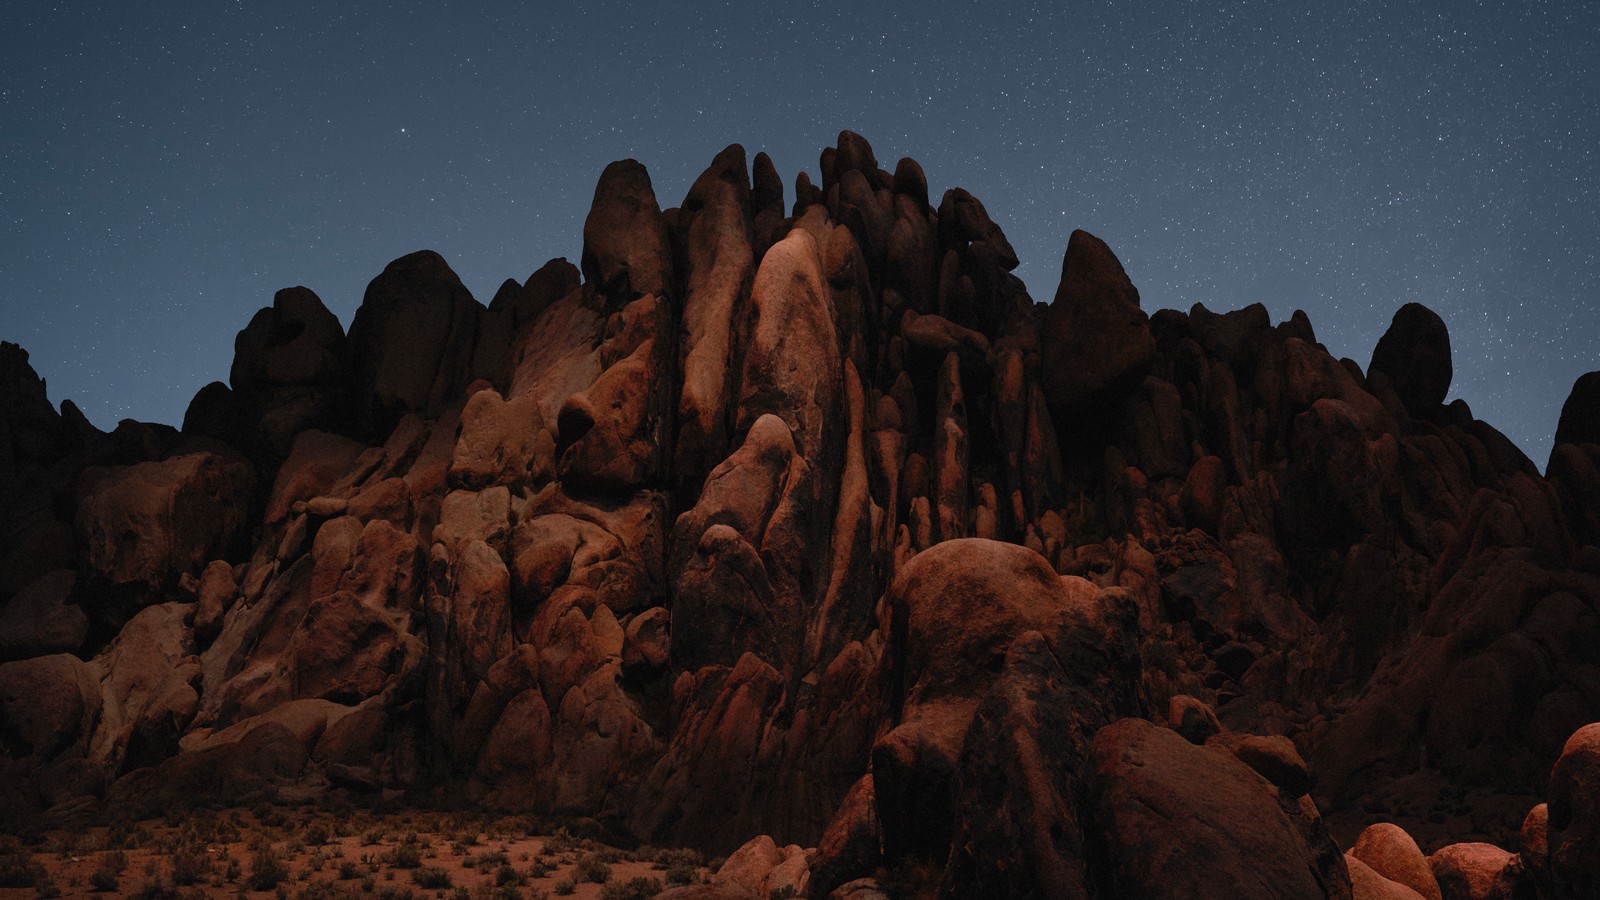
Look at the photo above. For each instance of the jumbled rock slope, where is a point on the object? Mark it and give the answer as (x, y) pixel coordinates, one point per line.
(811, 523)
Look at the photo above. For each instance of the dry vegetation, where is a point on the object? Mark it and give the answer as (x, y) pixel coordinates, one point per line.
(319, 853)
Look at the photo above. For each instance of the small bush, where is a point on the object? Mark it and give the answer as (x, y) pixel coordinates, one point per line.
(506, 875)
(190, 864)
(541, 868)
(407, 854)
(633, 889)
(592, 868)
(348, 871)
(431, 877)
(104, 878)
(316, 834)
(562, 842)
(786, 892)
(566, 887)
(667, 859)
(157, 889)
(490, 858)
(18, 868)
(267, 869)
(681, 874)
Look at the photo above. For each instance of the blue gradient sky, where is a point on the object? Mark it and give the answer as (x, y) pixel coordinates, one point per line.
(163, 172)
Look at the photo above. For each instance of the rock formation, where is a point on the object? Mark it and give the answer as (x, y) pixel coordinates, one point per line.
(817, 531)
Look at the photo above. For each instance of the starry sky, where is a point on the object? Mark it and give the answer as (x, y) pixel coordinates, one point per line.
(164, 168)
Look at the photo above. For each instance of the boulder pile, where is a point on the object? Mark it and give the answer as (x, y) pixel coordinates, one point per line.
(772, 527)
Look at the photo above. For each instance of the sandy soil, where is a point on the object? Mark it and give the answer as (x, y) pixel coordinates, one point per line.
(277, 852)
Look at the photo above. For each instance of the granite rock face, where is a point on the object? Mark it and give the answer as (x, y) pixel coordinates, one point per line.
(773, 532)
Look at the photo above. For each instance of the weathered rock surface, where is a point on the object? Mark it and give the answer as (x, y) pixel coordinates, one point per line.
(1160, 803)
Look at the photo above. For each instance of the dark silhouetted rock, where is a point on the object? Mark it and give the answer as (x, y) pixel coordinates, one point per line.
(625, 249)
(1580, 414)
(1095, 341)
(40, 619)
(1414, 355)
(411, 342)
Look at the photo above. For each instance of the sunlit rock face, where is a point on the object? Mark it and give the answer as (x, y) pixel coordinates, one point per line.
(778, 526)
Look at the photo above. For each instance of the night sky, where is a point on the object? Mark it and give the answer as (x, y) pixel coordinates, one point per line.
(162, 173)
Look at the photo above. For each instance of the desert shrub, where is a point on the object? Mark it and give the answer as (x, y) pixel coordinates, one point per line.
(592, 868)
(681, 874)
(489, 859)
(348, 871)
(104, 878)
(566, 887)
(667, 859)
(190, 864)
(541, 868)
(44, 886)
(562, 842)
(640, 888)
(316, 834)
(431, 877)
(506, 875)
(18, 868)
(267, 869)
(326, 890)
(408, 853)
(786, 892)
(156, 889)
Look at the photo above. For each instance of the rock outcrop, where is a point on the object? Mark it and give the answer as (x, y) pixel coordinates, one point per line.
(773, 532)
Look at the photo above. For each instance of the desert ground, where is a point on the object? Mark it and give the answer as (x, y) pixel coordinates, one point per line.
(277, 851)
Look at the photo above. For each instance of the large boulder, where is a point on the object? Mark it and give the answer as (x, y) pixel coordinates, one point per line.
(288, 371)
(625, 248)
(1162, 803)
(714, 232)
(1390, 852)
(1414, 355)
(1574, 816)
(983, 637)
(791, 364)
(411, 342)
(1095, 341)
(149, 523)
(41, 619)
(1580, 414)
